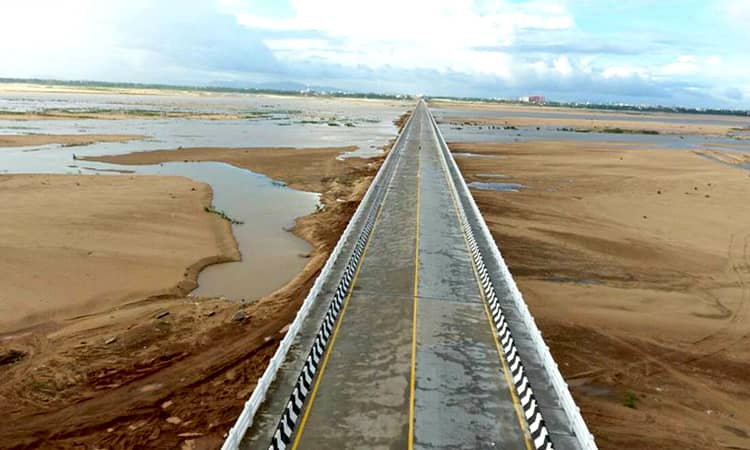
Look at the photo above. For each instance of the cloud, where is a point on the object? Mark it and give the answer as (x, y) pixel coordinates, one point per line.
(422, 34)
(685, 65)
(565, 49)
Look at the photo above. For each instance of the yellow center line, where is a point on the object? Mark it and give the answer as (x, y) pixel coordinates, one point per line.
(412, 379)
(500, 352)
(329, 348)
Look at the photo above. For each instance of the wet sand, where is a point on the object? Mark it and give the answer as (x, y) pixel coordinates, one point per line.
(136, 376)
(66, 140)
(636, 264)
(727, 157)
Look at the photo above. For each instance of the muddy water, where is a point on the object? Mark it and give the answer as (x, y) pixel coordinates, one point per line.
(271, 256)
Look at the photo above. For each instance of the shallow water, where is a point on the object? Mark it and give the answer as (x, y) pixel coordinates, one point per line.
(270, 255)
(686, 119)
(482, 133)
(500, 187)
(478, 155)
(491, 175)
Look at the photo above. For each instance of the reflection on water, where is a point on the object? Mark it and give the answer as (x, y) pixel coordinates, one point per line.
(270, 255)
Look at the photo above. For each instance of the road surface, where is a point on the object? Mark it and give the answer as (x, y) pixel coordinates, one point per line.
(414, 359)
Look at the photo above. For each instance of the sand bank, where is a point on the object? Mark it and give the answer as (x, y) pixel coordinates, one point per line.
(636, 265)
(66, 140)
(76, 245)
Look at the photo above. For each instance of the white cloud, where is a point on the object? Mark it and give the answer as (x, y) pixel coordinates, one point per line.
(421, 34)
(735, 12)
(685, 65)
(625, 72)
(562, 66)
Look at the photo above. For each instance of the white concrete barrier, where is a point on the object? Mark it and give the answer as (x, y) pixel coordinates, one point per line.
(573, 413)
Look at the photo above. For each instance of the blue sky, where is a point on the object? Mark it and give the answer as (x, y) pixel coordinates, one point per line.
(692, 53)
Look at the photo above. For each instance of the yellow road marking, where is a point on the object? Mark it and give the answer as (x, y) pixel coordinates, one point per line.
(500, 352)
(412, 380)
(319, 375)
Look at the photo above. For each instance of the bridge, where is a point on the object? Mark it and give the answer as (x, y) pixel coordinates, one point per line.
(415, 334)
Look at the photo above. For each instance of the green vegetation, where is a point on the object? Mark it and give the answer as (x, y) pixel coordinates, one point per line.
(608, 130)
(626, 131)
(222, 214)
(629, 399)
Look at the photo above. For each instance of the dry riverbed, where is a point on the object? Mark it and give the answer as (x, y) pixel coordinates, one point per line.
(636, 264)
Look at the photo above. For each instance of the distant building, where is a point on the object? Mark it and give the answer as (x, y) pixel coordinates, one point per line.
(532, 99)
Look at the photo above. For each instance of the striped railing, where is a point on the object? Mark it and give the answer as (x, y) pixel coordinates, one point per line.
(537, 428)
(366, 212)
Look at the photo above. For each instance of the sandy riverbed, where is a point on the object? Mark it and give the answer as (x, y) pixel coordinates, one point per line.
(636, 264)
(134, 376)
(77, 245)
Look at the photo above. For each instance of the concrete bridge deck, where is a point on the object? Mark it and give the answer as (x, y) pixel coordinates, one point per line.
(415, 356)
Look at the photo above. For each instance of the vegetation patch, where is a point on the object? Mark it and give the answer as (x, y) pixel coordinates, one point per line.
(629, 399)
(222, 214)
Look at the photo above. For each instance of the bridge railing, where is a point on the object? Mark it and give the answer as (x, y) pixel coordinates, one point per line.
(245, 419)
(572, 411)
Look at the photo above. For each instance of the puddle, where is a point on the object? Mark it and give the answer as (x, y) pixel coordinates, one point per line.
(477, 155)
(270, 255)
(491, 175)
(500, 187)
(595, 390)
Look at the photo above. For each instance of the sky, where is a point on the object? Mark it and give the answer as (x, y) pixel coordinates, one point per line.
(668, 52)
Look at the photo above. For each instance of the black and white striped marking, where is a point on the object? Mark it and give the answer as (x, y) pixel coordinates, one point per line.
(537, 427)
(294, 407)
